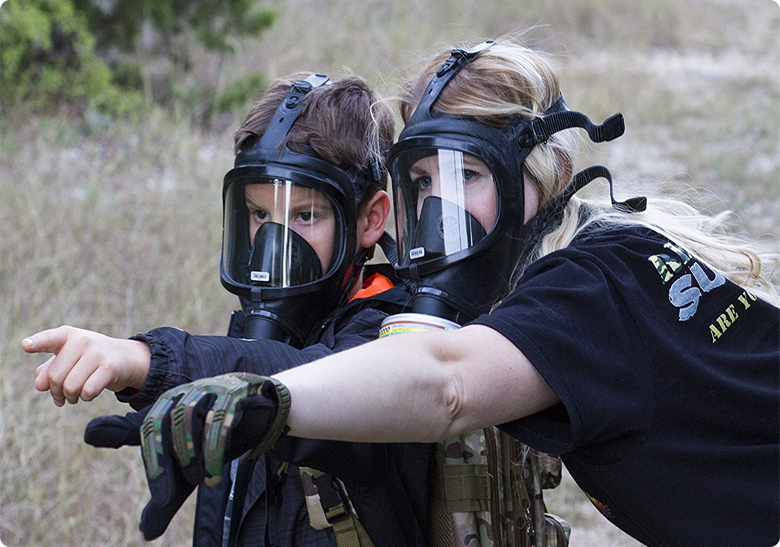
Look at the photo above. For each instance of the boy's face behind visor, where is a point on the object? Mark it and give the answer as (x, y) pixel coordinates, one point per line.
(280, 233)
(303, 210)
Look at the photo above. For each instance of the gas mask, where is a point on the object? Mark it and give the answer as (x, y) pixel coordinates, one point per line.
(459, 198)
(289, 248)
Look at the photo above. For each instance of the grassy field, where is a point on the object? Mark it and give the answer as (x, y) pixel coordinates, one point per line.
(116, 227)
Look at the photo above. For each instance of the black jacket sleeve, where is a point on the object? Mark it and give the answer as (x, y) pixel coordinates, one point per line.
(179, 357)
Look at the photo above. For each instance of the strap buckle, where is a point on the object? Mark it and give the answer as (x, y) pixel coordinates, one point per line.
(540, 130)
(302, 87)
(535, 132)
(334, 501)
(458, 56)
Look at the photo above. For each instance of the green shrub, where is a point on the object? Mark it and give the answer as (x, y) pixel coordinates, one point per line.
(176, 36)
(87, 55)
(214, 23)
(48, 59)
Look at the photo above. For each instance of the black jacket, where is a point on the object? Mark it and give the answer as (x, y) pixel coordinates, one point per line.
(387, 483)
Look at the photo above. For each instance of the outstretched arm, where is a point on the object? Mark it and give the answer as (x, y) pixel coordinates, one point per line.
(85, 362)
(416, 387)
(410, 387)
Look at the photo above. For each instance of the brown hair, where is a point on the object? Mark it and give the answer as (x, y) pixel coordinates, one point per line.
(345, 123)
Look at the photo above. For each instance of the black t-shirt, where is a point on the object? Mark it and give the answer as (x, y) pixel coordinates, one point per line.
(668, 379)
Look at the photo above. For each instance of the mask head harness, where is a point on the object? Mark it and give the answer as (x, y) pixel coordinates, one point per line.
(289, 229)
(458, 262)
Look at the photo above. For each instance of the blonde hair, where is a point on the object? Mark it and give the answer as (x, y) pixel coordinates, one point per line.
(508, 79)
(501, 82)
(707, 237)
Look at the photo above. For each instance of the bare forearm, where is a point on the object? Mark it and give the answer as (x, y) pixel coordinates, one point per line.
(414, 388)
(373, 382)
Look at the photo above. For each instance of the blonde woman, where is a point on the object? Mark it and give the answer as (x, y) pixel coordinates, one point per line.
(641, 345)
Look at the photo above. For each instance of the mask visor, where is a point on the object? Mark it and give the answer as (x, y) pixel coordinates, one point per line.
(277, 233)
(446, 202)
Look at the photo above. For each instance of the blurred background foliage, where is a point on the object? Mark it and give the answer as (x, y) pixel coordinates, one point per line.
(116, 126)
(115, 56)
(49, 58)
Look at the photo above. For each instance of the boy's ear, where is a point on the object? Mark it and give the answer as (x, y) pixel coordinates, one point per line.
(372, 219)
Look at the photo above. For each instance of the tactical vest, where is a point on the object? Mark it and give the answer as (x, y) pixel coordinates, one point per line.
(486, 491)
(329, 506)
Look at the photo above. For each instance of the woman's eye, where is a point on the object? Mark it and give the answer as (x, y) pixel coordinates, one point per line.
(305, 216)
(422, 183)
(468, 174)
(259, 214)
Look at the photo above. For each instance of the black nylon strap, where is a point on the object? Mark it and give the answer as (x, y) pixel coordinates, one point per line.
(457, 60)
(550, 216)
(389, 247)
(289, 109)
(632, 205)
(542, 128)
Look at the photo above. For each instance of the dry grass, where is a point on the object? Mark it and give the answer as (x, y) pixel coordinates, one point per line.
(116, 228)
(116, 231)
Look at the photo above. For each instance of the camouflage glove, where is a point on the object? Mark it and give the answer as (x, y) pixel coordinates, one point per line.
(192, 430)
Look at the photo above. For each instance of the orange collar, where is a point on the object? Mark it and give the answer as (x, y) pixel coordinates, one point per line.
(373, 286)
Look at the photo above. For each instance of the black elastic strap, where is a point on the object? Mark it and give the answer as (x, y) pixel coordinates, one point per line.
(635, 204)
(389, 247)
(551, 215)
(542, 128)
(235, 510)
(460, 57)
(455, 62)
(289, 110)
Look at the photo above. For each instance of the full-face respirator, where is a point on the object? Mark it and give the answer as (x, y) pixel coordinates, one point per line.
(459, 198)
(289, 248)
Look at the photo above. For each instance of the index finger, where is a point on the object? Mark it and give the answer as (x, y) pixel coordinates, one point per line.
(46, 341)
